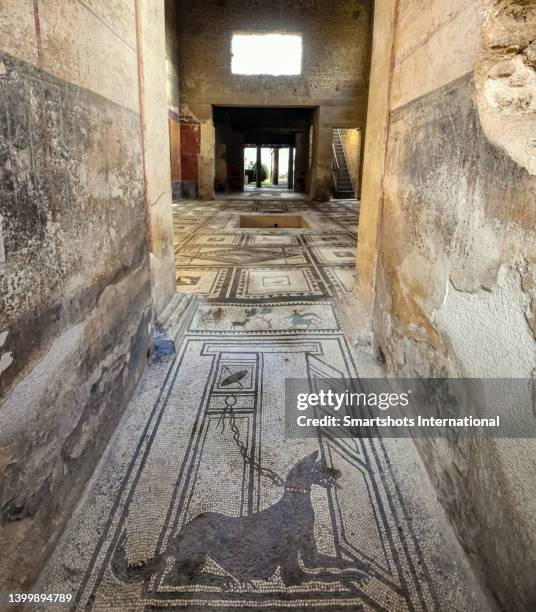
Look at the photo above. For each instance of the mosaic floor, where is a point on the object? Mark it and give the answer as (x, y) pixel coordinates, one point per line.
(218, 260)
(200, 503)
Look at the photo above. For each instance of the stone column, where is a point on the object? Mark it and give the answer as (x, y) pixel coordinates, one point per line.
(206, 161)
(302, 160)
(275, 166)
(258, 167)
(320, 187)
(220, 171)
(290, 180)
(235, 161)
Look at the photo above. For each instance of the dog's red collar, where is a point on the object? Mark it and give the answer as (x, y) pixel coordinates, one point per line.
(296, 490)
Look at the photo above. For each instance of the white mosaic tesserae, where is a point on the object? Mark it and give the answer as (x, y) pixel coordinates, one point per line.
(201, 503)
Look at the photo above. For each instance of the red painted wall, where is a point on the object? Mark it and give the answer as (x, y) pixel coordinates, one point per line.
(190, 147)
(175, 148)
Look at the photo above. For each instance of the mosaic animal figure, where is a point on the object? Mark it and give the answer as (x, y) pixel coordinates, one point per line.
(254, 313)
(240, 323)
(305, 319)
(252, 547)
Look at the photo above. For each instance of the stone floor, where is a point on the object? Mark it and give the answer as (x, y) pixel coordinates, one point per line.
(217, 260)
(200, 503)
(251, 192)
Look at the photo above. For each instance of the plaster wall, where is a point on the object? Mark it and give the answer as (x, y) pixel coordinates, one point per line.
(452, 221)
(172, 87)
(75, 302)
(336, 49)
(156, 149)
(377, 131)
(172, 54)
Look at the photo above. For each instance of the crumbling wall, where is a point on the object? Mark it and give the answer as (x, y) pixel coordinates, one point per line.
(75, 299)
(454, 288)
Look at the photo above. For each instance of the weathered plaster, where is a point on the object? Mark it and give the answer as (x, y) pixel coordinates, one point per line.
(75, 300)
(156, 150)
(173, 99)
(499, 316)
(452, 256)
(425, 37)
(377, 130)
(506, 79)
(63, 46)
(172, 55)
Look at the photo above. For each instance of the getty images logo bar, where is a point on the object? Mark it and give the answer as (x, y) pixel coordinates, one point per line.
(433, 407)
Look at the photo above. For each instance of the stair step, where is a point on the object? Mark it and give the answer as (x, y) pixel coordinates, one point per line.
(183, 305)
(171, 325)
(344, 195)
(343, 181)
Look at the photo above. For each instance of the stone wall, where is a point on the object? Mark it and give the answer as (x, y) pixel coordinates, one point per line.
(336, 50)
(75, 301)
(449, 212)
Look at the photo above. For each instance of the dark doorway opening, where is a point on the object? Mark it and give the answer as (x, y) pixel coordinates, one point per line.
(262, 148)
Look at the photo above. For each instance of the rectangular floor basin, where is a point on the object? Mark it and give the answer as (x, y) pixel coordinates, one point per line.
(273, 222)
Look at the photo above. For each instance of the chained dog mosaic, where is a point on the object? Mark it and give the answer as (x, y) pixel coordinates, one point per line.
(202, 504)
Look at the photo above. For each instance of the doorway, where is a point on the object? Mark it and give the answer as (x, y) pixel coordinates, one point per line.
(346, 166)
(275, 172)
(262, 149)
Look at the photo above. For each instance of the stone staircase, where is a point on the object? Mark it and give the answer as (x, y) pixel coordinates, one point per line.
(343, 186)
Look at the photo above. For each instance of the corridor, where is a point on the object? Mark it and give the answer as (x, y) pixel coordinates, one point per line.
(211, 211)
(205, 433)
